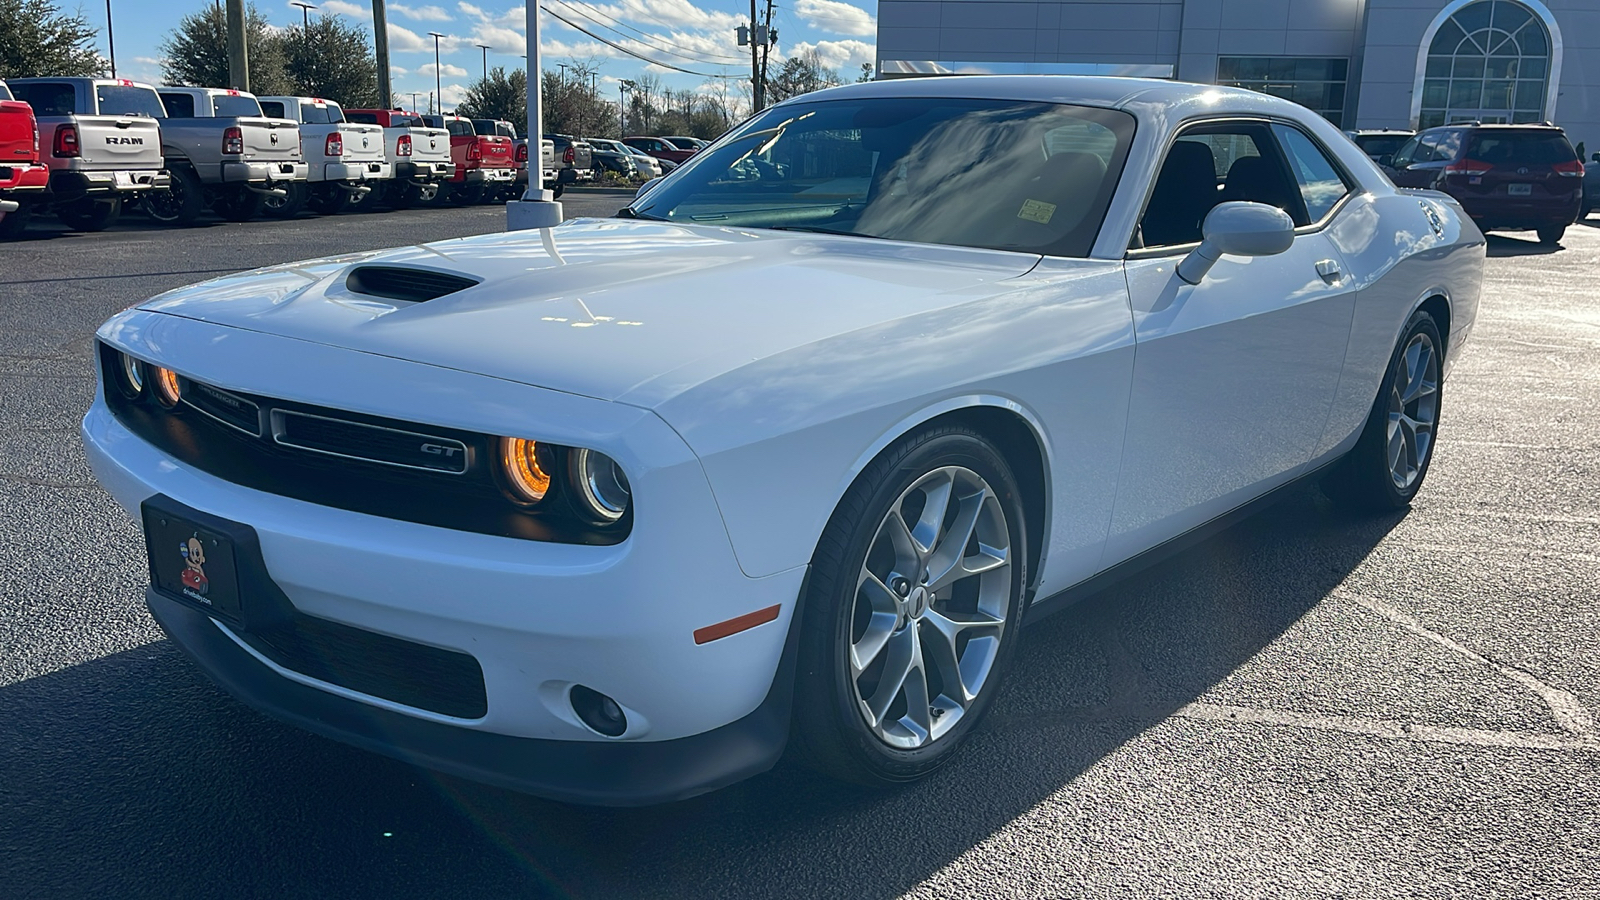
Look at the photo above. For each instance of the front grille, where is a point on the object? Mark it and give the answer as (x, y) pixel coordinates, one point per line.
(373, 443)
(416, 675)
(225, 406)
(401, 283)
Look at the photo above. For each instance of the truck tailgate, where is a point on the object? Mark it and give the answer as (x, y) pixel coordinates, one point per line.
(497, 152)
(362, 143)
(430, 145)
(119, 142)
(269, 139)
(17, 134)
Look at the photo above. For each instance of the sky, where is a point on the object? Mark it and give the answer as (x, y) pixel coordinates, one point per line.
(697, 35)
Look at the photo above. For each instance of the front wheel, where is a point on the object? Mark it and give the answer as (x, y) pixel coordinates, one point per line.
(1384, 470)
(912, 612)
(1552, 234)
(90, 215)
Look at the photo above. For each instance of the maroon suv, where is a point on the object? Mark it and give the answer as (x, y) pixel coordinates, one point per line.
(1505, 176)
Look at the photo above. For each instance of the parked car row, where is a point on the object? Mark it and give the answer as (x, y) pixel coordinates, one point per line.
(1507, 177)
(87, 148)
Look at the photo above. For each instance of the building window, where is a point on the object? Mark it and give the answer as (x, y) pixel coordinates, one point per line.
(1314, 82)
(1489, 61)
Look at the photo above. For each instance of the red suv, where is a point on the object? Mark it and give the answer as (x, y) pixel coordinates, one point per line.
(1505, 176)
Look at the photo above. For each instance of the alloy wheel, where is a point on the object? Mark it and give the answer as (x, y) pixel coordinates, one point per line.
(1413, 410)
(930, 608)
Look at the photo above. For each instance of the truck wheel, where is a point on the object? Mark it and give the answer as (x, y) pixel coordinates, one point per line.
(90, 215)
(179, 204)
(289, 205)
(466, 194)
(405, 196)
(239, 205)
(558, 189)
(1552, 234)
(365, 202)
(329, 200)
(12, 225)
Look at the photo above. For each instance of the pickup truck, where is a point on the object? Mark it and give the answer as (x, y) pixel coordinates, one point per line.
(348, 165)
(482, 161)
(420, 154)
(223, 153)
(22, 178)
(575, 159)
(104, 140)
(519, 159)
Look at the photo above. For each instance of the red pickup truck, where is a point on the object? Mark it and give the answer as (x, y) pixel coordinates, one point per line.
(22, 177)
(484, 162)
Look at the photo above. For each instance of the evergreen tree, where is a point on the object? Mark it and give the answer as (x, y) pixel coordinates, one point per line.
(332, 60)
(503, 95)
(197, 51)
(37, 39)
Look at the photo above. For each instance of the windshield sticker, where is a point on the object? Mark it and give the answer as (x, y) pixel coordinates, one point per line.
(1037, 211)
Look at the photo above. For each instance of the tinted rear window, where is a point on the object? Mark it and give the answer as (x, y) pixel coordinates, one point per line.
(459, 128)
(48, 98)
(361, 118)
(1541, 148)
(484, 126)
(399, 121)
(1378, 145)
(179, 106)
(326, 114)
(272, 108)
(232, 105)
(126, 100)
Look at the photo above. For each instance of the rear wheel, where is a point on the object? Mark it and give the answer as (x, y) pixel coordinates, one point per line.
(13, 224)
(1552, 234)
(466, 194)
(239, 204)
(1386, 467)
(365, 201)
(405, 196)
(289, 205)
(90, 215)
(329, 200)
(911, 614)
(181, 203)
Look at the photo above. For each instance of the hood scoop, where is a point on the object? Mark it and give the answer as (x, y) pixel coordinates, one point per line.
(404, 283)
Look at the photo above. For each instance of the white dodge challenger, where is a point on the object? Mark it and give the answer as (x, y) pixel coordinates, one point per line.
(784, 454)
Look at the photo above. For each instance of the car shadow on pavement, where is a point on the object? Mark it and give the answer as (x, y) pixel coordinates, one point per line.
(132, 776)
(1505, 245)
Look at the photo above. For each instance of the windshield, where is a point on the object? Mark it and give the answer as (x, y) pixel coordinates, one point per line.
(231, 105)
(126, 100)
(1006, 175)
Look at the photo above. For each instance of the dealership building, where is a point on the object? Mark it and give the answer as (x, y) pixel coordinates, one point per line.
(1361, 63)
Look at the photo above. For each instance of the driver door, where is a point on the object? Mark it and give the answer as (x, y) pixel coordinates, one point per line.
(1233, 377)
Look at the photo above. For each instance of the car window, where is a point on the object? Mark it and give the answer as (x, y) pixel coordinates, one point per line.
(1321, 185)
(48, 98)
(321, 114)
(1406, 153)
(964, 172)
(459, 127)
(364, 118)
(231, 105)
(1378, 145)
(398, 121)
(5, 92)
(1210, 164)
(1527, 147)
(273, 109)
(179, 106)
(128, 100)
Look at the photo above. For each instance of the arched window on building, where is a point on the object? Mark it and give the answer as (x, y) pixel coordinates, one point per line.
(1490, 61)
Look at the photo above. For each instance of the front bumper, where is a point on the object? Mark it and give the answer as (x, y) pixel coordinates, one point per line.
(356, 171)
(236, 172)
(537, 617)
(424, 171)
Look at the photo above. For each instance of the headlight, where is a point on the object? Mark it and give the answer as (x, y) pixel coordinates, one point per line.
(130, 375)
(166, 386)
(524, 465)
(598, 484)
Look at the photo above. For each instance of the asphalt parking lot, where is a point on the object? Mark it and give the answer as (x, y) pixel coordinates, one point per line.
(1309, 704)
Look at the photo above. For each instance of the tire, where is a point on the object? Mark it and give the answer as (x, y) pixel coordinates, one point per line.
(558, 190)
(181, 204)
(1371, 477)
(365, 202)
(1551, 235)
(405, 196)
(329, 200)
(13, 224)
(466, 194)
(239, 204)
(289, 205)
(895, 624)
(90, 215)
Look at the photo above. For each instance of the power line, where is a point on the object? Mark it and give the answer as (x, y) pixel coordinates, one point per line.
(615, 46)
(591, 12)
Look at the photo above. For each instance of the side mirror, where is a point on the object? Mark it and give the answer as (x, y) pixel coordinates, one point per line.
(646, 186)
(1238, 228)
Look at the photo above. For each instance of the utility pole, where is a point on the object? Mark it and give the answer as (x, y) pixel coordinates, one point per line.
(111, 40)
(438, 85)
(758, 92)
(238, 53)
(563, 68)
(380, 46)
(305, 14)
(623, 87)
(768, 39)
(485, 48)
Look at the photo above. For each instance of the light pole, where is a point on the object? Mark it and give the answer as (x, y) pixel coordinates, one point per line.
(485, 48)
(438, 85)
(623, 87)
(413, 101)
(305, 14)
(538, 207)
(111, 40)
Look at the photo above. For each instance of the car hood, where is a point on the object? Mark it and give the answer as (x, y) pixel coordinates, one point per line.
(614, 309)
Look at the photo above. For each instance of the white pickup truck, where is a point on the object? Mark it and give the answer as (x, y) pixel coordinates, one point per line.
(420, 154)
(348, 163)
(223, 153)
(101, 138)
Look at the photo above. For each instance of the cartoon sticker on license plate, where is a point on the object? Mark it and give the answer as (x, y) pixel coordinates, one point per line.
(195, 583)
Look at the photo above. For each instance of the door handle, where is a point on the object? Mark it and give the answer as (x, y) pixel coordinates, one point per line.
(1330, 271)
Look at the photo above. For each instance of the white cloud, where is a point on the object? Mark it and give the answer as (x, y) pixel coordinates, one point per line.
(453, 94)
(836, 17)
(341, 8)
(449, 70)
(397, 72)
(404, 40)
(421, 13)
(844, 57)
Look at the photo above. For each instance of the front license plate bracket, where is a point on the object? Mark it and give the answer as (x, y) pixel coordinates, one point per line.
(231, 583)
